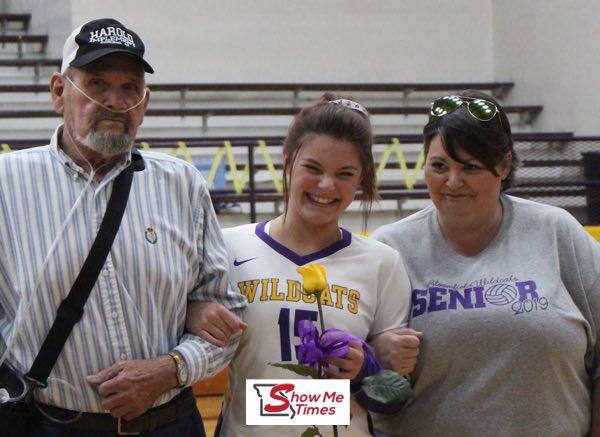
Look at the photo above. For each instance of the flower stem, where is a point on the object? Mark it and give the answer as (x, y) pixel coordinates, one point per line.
(320, 313)
(322, 322)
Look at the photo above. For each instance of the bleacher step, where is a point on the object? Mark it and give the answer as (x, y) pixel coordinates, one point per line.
(21, 20)
(24, 42)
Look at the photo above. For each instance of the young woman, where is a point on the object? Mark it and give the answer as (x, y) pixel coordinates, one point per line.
(505, 290)
(327, 159)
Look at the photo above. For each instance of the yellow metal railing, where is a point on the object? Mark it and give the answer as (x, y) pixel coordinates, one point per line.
(240, 177)
(594, 231)
(409, 177)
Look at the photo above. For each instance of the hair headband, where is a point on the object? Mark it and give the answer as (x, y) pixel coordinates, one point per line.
(351, 104)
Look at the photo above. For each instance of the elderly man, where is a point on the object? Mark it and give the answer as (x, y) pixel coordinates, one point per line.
(127, 365)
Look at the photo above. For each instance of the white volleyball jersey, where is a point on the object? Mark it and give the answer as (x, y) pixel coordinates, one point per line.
(368, 293)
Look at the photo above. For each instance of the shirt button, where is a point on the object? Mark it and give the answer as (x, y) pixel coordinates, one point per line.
(105, 272)
(123, 356)
(76, 176)
(114, 315)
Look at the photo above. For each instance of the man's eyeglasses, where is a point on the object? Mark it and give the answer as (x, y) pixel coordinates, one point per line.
(481, 109)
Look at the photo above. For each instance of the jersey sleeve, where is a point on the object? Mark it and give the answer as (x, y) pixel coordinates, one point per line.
(579, 255)
(393, 303)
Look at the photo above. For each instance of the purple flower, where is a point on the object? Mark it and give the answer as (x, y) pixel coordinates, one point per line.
(314, 349)
(308, 352)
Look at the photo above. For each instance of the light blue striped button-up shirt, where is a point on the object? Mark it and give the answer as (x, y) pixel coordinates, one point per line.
(169, 249)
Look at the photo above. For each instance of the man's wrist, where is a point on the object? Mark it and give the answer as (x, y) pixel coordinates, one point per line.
(181, 369)
(168, 370)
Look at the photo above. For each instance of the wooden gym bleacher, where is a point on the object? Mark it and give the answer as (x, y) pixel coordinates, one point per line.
(21, 40)
(20, 22)
(528, 112)
(21, 50)
(203, 109)
(499, 89)
(30, 62)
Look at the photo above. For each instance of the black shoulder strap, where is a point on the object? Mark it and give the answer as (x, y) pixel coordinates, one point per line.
(71, 308)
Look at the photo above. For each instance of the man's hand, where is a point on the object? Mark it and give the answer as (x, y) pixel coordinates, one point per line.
(129, 388)
(398, 349)
(212, 322)
(348, 366)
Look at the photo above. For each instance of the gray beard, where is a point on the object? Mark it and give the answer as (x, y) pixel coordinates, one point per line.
(107, 143)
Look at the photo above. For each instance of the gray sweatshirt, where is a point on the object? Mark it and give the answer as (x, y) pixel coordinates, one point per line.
(510, 335)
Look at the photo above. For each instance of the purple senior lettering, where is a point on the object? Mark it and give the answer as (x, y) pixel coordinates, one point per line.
(527, 288)
(419, 302)
(436, 295)
(501, 292)
(439, 299)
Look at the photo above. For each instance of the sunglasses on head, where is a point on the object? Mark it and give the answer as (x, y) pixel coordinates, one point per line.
(481, 109)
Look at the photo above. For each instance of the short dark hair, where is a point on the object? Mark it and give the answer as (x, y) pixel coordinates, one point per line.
(342, 123)
(487, 141)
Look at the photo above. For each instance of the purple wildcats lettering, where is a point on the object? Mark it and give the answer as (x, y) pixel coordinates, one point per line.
(527, 290)
(469, 298)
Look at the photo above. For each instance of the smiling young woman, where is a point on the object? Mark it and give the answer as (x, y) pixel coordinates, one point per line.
(324, 178)
(327, 159)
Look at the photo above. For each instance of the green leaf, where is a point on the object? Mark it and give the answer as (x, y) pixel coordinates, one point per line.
(298, 369)
(311, 432)
(387, 387)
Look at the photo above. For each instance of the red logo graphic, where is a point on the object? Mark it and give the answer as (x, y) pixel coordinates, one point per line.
(297, 402)
(278, 404)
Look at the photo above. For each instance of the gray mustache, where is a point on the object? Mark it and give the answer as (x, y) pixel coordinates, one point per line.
(104, 114)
